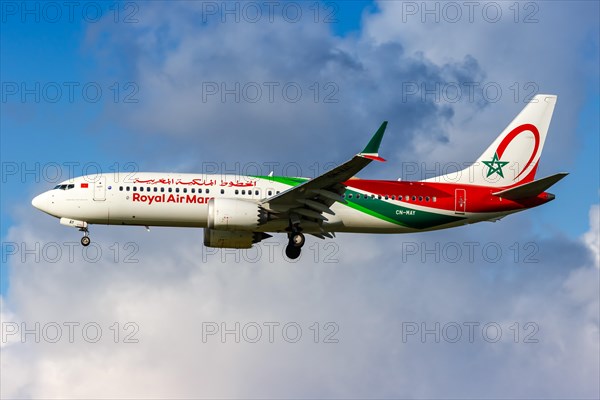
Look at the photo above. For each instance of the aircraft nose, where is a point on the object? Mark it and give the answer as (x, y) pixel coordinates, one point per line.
(37, 201)
(40, 202)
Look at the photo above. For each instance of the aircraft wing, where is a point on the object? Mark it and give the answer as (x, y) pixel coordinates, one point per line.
(311, 199)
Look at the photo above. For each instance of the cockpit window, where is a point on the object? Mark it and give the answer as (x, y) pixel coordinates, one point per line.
(65, 187)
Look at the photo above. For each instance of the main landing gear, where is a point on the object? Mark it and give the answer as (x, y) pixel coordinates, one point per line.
(295, 243)
(85, 240)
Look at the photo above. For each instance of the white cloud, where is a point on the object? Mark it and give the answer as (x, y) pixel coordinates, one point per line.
(521, 58)
(172, 56)
(369, 293)
(176, 61)
(592, 237)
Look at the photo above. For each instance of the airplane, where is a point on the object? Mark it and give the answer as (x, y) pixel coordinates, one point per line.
(240, 211)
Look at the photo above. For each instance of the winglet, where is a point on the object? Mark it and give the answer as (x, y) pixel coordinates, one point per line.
(371, 151)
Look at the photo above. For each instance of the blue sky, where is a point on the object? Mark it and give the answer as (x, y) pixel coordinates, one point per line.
(37, 133)
(159, 62)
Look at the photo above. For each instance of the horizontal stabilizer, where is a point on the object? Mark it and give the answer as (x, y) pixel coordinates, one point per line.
(530, 189)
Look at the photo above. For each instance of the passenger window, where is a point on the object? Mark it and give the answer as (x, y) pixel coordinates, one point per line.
(434, 199)
(207, 191)
(256, 192)
(358, 196)
(184, 190)
(427, 198)
(379, 196)
(170, 190)
(135, 189)
(148, 189)
(399, 198)
(193, 190)
(155, 189)
(394, 197)
(278, 192)
(162, 189)
(176, 190)
(243, 192)
(270, 193)
(120, 188)
(414, 198)
(350, 196)
(222, 191)
(387, 197)
(237, 191)
(127, 189)
(199, 190)
(420, 198)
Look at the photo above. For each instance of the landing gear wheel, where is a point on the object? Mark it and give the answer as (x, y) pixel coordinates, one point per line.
(85, 241)
(297, 239)
(292, 252)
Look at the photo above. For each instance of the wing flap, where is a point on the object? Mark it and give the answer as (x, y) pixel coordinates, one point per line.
(309, 213)
(317, 206)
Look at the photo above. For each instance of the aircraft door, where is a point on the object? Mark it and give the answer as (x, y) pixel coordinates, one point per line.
(460, 201)
(100, 189)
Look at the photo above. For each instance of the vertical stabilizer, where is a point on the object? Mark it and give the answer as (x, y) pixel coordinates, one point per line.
(512, 159)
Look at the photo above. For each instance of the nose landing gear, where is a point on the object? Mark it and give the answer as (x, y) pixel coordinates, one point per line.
(85, 240)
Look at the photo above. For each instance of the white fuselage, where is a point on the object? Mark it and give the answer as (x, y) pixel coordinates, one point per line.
(181, 200)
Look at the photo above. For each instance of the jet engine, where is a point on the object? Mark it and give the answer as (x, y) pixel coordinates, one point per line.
(235, 215)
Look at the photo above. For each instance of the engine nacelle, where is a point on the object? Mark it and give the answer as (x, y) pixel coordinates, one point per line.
(234, 215)
(232, 239)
